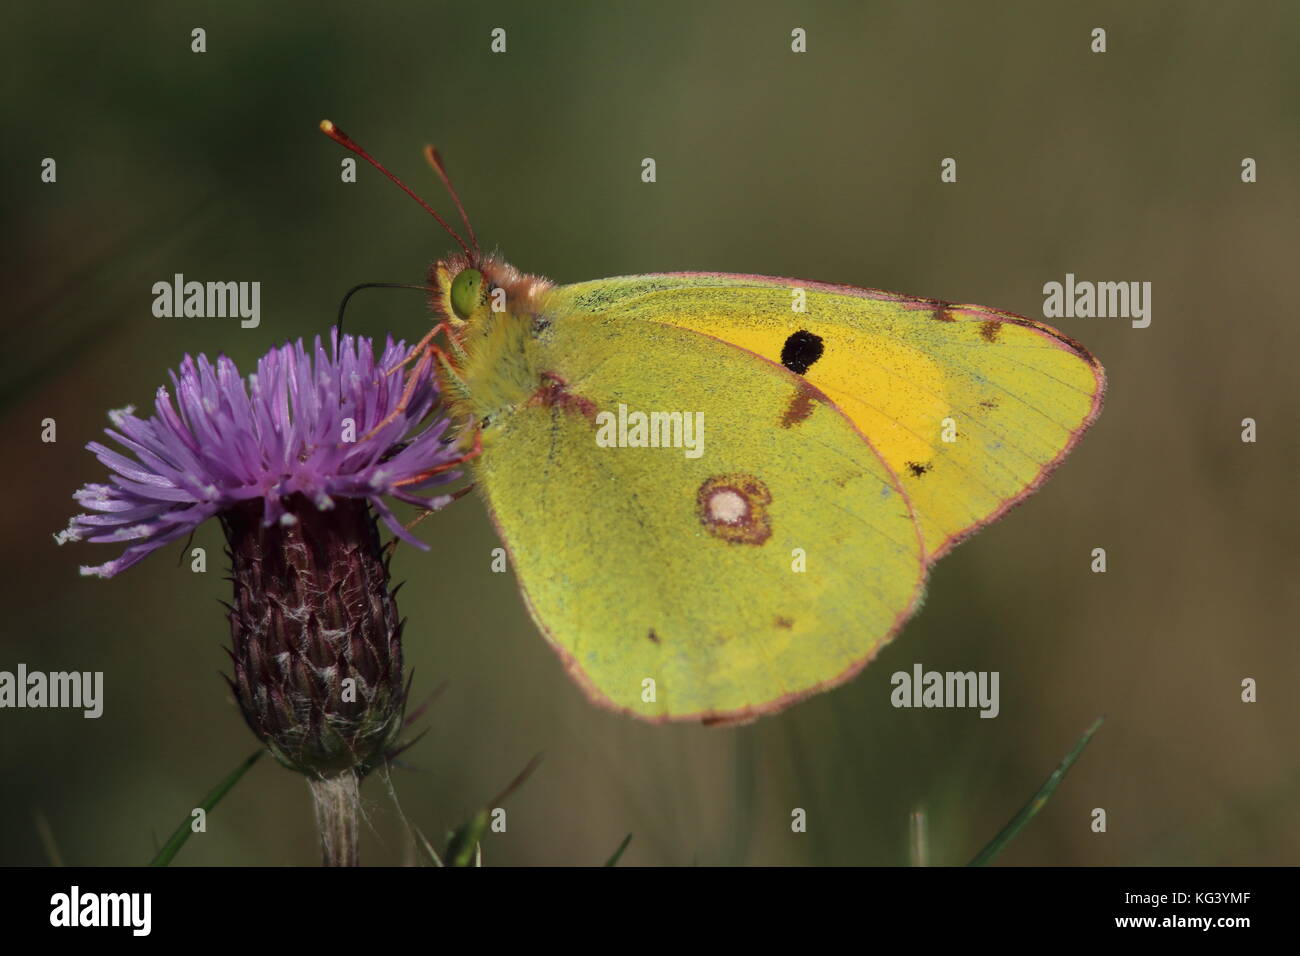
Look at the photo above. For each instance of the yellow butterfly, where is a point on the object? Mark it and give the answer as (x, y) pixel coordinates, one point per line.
(722, 493)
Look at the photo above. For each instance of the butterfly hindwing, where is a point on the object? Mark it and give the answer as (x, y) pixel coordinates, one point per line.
(774, 564)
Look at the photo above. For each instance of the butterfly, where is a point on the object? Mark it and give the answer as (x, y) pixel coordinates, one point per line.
(722, 493)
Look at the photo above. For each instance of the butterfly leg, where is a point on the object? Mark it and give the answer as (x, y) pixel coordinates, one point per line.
(425, 346)
(468, 456)
(424, 351)
(405, 399)
(422, 346)
(455, 496)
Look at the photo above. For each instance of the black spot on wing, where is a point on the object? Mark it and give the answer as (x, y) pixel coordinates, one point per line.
(800, 351)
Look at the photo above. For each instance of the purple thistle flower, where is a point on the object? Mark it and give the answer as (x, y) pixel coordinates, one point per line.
(288, 464)
(225, 442)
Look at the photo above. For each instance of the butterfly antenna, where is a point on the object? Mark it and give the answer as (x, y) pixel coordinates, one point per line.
(435, 161)
(372, 285)
(346, 141)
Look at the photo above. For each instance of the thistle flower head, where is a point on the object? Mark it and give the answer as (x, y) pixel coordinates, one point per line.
(294, 464)
(300, 425)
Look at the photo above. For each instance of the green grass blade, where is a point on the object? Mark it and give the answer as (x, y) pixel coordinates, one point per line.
(618, 854)
(463, 843)
(182, 832)
(464, 840)
(1036, 803)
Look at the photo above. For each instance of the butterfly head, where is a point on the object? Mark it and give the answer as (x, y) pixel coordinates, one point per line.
(465, 289)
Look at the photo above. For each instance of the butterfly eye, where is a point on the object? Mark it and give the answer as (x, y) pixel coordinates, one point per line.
(465, 289)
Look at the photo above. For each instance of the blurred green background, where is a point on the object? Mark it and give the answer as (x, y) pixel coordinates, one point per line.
(825, 165)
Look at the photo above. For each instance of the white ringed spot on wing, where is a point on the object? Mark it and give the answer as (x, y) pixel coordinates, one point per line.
(734, 508)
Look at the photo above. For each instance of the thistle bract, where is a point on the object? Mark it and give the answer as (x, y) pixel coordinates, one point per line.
(315, 637)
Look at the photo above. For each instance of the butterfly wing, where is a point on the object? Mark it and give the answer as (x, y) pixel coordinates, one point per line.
(717, 587)
(969, 407)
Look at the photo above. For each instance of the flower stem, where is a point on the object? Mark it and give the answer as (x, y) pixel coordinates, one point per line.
(338, 806)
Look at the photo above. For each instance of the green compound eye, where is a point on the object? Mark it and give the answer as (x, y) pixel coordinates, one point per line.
(465, 289)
